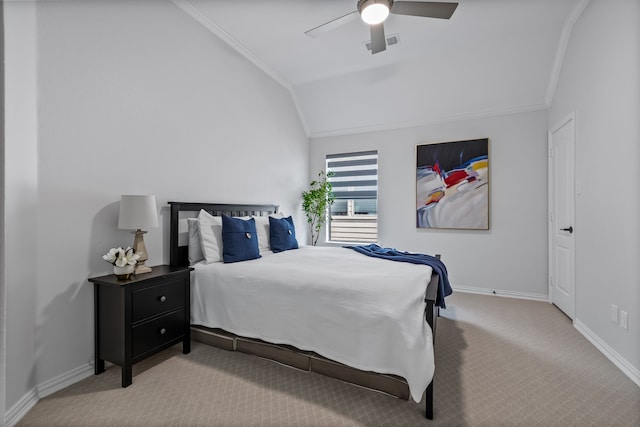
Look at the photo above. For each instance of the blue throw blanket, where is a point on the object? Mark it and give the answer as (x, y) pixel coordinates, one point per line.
(444, 288)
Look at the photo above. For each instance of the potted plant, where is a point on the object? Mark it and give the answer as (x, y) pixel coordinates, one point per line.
(315, 203)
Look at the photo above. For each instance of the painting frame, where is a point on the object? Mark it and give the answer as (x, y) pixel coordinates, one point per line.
(452, 185)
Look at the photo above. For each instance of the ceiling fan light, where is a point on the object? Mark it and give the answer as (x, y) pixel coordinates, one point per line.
(374, 13)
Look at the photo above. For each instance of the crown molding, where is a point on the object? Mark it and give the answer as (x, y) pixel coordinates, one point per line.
(562, 48)
(200, 17)
(197, 14)
(437, 120)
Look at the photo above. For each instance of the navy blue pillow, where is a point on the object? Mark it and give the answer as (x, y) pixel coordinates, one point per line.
(239, 239)
(282, 234)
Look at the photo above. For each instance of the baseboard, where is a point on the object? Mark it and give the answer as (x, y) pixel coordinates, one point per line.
(623, 364)
(29, 400)
(20, 409)
(65, 380)
(501, 293)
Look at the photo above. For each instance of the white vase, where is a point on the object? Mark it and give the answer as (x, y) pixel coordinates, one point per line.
(123, 273)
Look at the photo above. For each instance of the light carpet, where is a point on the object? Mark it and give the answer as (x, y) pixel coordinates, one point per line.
(499, 362)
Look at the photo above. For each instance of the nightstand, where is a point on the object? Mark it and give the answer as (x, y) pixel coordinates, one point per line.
(141, 316)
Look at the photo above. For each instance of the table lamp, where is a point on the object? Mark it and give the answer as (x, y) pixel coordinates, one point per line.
(138, 213)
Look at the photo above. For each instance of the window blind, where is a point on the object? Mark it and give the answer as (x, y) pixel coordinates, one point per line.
(355, 175)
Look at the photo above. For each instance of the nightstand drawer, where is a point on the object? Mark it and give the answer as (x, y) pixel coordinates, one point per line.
(141, 316)
(152, 334)
(157, 299)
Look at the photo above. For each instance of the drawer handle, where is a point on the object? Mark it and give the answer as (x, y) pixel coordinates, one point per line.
(163, 331)
(163, 298)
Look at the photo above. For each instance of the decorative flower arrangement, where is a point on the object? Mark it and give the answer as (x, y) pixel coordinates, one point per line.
(123, 261)
(121, 257)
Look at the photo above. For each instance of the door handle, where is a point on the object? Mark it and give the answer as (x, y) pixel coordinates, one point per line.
(569, 229)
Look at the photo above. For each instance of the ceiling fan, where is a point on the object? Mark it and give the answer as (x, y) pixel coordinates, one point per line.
(374, 12)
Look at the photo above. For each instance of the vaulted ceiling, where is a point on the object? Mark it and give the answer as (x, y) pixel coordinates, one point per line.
(491, 57)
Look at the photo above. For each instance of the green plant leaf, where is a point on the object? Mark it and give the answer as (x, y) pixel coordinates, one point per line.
(316, 202)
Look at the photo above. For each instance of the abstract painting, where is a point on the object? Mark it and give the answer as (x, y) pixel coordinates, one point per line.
(452, 185)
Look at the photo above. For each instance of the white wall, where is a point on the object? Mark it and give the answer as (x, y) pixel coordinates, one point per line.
(133, 97)
(20, 200)
(109, 98)
(3, 300)
(599, 82)
(335, 106)
(511, 257)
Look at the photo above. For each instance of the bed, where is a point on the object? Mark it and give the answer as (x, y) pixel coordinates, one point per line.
(341, 321)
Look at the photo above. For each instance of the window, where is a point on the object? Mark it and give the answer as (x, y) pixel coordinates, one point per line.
(354, 215)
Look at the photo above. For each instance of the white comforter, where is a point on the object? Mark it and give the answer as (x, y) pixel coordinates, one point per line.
(365, 312)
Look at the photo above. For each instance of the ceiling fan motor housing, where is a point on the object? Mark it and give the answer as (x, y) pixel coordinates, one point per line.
(374, 12)
(363, 4)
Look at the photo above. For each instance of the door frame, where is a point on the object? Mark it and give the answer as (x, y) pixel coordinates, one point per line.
(551, 205)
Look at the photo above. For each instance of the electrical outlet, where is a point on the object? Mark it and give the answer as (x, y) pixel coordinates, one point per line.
(614, 313)
(624, 320)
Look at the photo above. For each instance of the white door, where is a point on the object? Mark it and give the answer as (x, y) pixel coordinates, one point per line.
(561, 216)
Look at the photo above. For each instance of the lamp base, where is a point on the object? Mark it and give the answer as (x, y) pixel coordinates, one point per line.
(140, 249)
(141, 269)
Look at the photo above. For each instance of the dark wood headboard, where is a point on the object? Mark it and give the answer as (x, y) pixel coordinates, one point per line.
(179, 255)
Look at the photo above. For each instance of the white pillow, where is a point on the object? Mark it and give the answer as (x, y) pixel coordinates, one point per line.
(195, 247)
(262, 229)
(210, 228)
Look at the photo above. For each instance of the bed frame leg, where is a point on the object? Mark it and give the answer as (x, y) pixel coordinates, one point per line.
(432, 314)
(429, 399)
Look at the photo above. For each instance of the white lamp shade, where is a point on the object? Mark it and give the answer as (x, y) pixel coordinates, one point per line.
(138, 213)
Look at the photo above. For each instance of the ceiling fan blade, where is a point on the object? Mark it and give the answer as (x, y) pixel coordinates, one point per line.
(378, 42)
(430, 9)
(331, 25)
